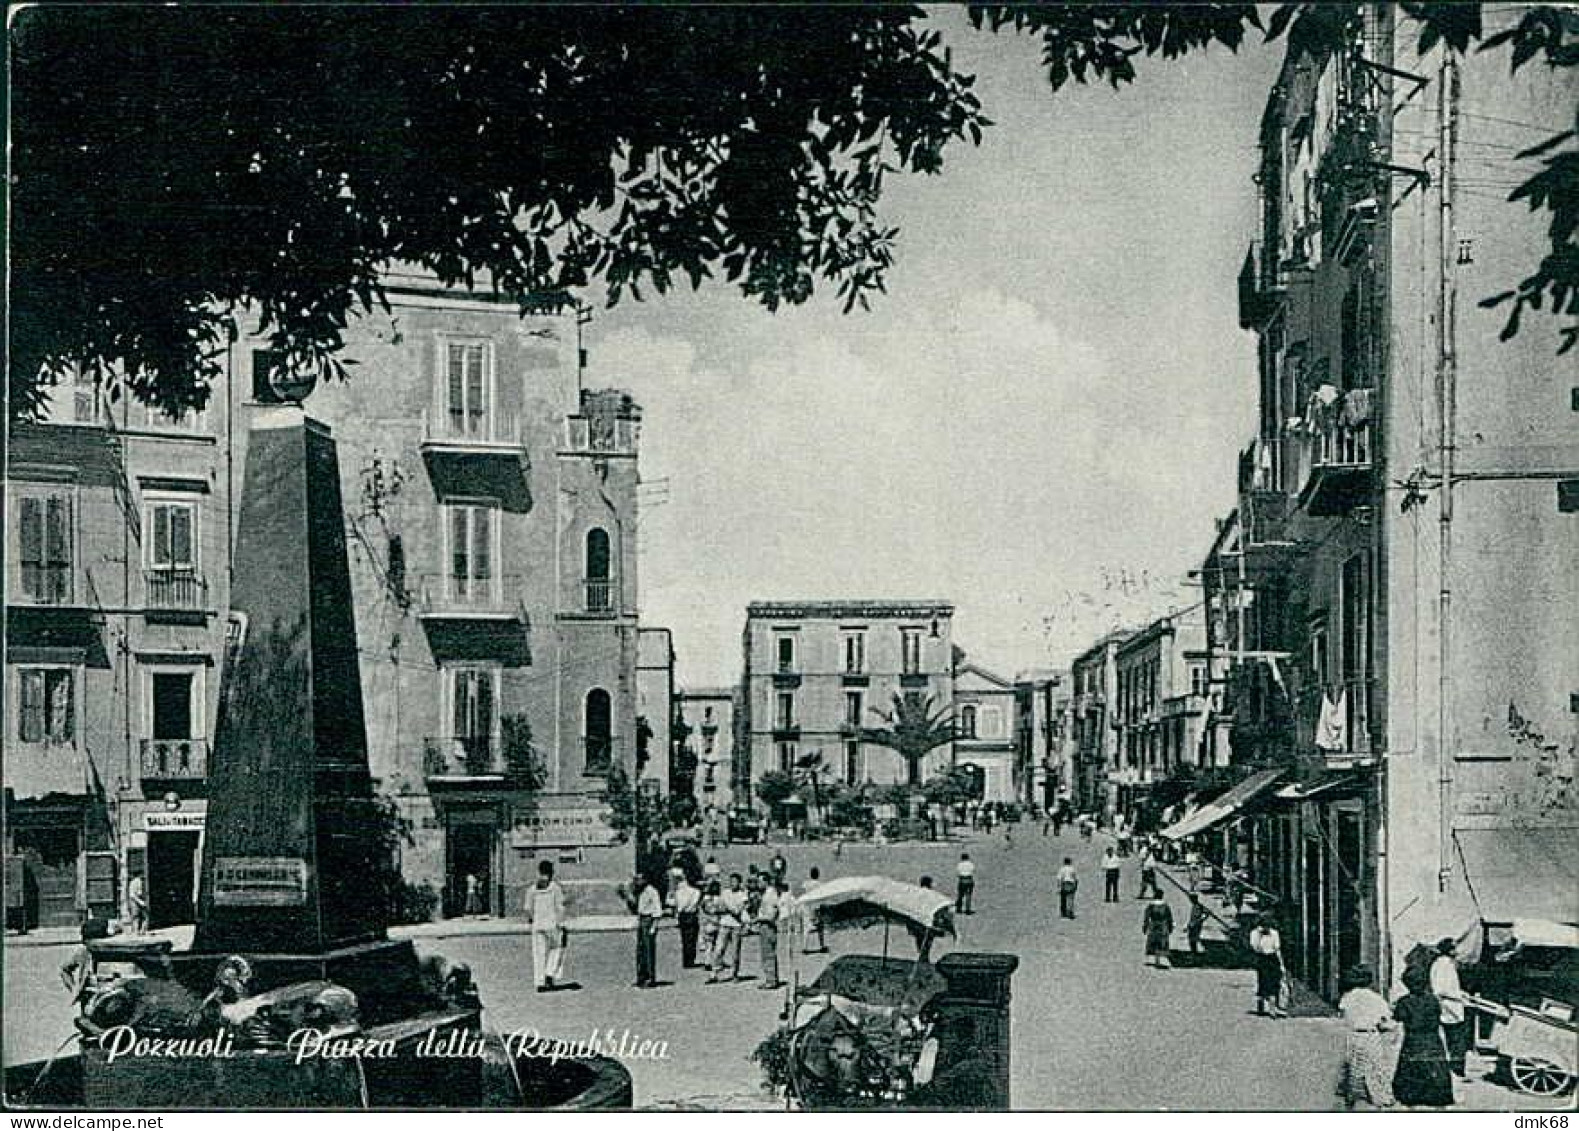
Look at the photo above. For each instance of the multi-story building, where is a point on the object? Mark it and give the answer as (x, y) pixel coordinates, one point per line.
(656, 704)
(817, 672)
(1395, 592)
(1043, 738)
(984, 730)
(117, 567)
(491, 516)
(1094, 678)
(1163, 684)
(707, 717)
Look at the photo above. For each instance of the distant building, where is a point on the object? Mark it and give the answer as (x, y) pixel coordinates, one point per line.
(1094, 675)
(1043, 738)
(655, 703)
(707, 715)
(1163, 681)
(984, 729)
(816, 672)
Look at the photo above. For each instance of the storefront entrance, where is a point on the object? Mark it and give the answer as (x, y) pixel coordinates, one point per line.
(468, 852)
(172, 878)
(50, 854)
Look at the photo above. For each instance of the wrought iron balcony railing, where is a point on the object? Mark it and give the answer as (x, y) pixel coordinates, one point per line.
(174, 759)
(176, 589)
(463, 756)
(495, 596)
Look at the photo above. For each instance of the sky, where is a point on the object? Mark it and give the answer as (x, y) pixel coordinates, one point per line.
(1039, 421)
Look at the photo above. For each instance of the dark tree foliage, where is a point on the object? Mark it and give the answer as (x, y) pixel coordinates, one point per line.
(173, 163)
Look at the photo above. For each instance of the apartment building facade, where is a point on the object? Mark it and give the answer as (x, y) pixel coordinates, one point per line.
(706, 715)
(1094, 678)
(1162, 683)
(491, 517)
(1394, 595)
(984, 728)
(816, 672)
(1045, 752)
(117, 566)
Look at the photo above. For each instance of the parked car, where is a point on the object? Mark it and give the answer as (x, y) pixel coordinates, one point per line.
(747, 827)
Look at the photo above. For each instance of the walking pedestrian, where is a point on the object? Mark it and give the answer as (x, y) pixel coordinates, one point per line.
(1157, 925)
(545, 911)
(811, 922)
(1266, 948)
(1148, 874)
(765, 920)
(1110, 872)
(686, 903)
(1068, 884)
(1423, 1077)
(1456, 1031)
(731, 921)
(473, 894)
(964, 884)
(1370, 1051)
(709, 917)
(1058, 820)
(647, 905)
(1192, 864)
(1197, 920)
(137, 904)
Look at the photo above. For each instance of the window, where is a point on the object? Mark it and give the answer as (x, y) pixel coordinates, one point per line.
(75, 398)
(786, 710)
(784, 646)
(1198, 680)
(466, 384)
(172, 536)
(1318, 651)
(855, 652)
(787, 756)
(599, 563)
(473, 710)
(174, 705)
(472, 530)
(47, 698)
(265, 365)
(598, 737)
(853, 770)
(854, 707)
(910, 650)
(991, 722)
(1355, 621)
(967, 721)
(46, 531)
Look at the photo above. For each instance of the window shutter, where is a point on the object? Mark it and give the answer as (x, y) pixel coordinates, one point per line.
(482, 543)
(181, 537)
(161, 536)
(32, 717)
(484, 723)
(455, 372)
(62, 723)
(461, 685)
(458, 540)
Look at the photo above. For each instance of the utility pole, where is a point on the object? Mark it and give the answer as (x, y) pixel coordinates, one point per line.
(1447, 411)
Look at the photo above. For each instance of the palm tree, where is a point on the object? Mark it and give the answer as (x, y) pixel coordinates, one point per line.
(914, 730)
(809, 771)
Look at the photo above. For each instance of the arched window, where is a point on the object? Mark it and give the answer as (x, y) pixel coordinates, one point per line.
(967, 722)
(597, 737)
(600, 586)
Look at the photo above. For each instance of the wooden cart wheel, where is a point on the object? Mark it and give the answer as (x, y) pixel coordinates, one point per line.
(1539, 1077)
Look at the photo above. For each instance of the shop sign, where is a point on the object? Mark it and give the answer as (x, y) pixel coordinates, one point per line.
(260, 881)
(560, 827)
(167, 822)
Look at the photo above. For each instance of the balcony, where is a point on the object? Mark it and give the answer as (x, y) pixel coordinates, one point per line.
(477, 453)
(175, 595)
(913, 680)
(1355, 715)
(1340, 476)
(174, 759)
(496, 598)
(601, 595)
(463, 758)
(601, 434)
(786, 678)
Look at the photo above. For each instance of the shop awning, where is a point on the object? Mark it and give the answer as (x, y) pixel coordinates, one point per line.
(1222, 808)
(1521, 873)
(1327, 787)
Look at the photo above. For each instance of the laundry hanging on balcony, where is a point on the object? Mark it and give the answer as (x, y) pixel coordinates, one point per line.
(1356, 409)
(1332, 725)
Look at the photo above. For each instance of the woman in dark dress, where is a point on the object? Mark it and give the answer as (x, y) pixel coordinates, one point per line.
(1422, 1078)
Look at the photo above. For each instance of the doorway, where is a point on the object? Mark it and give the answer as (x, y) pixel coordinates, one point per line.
(172, 877)
(468, 852)
(51, 853)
